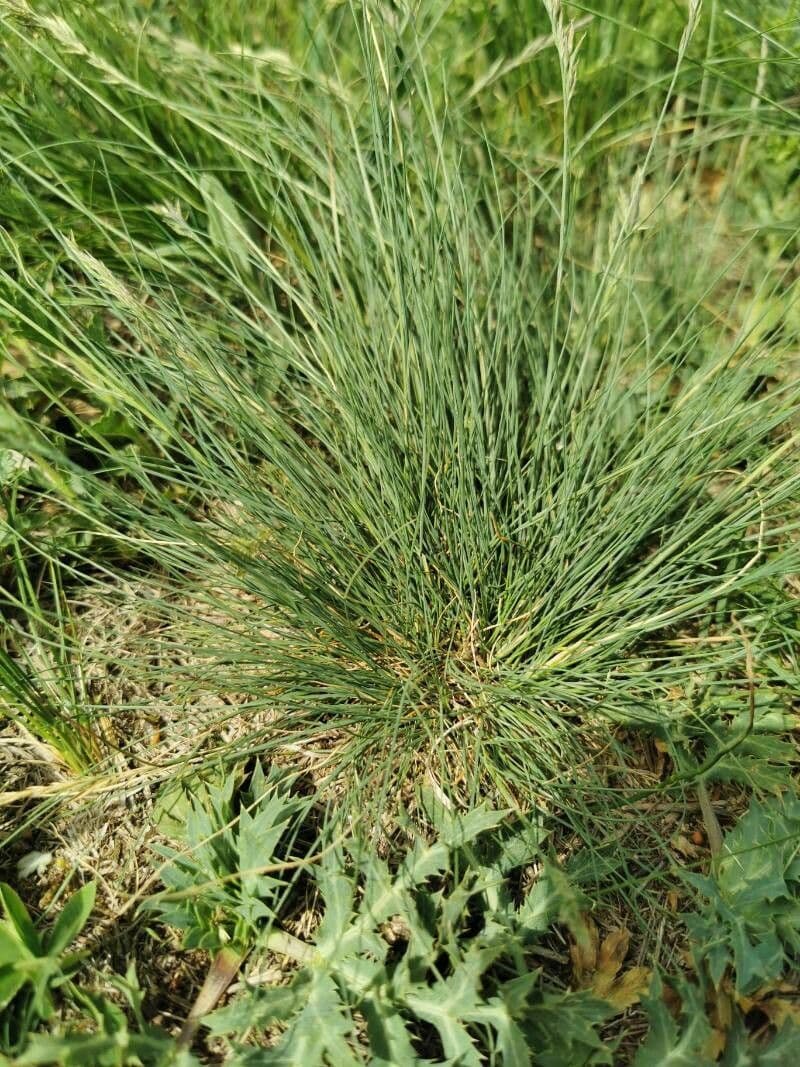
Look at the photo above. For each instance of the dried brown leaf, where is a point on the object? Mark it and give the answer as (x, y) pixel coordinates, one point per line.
(715, 1045)
(627, 990)
(583, 952)
(613, 951)
(682, 844)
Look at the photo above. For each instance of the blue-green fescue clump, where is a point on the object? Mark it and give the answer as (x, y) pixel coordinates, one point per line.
(483, 481)
(425, 392)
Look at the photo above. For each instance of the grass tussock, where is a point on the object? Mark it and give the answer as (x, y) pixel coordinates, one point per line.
(422, 400)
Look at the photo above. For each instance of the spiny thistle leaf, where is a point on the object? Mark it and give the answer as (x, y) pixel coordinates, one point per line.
(675, 1042)
(435, 969)
(751, 922)
(217, 889)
